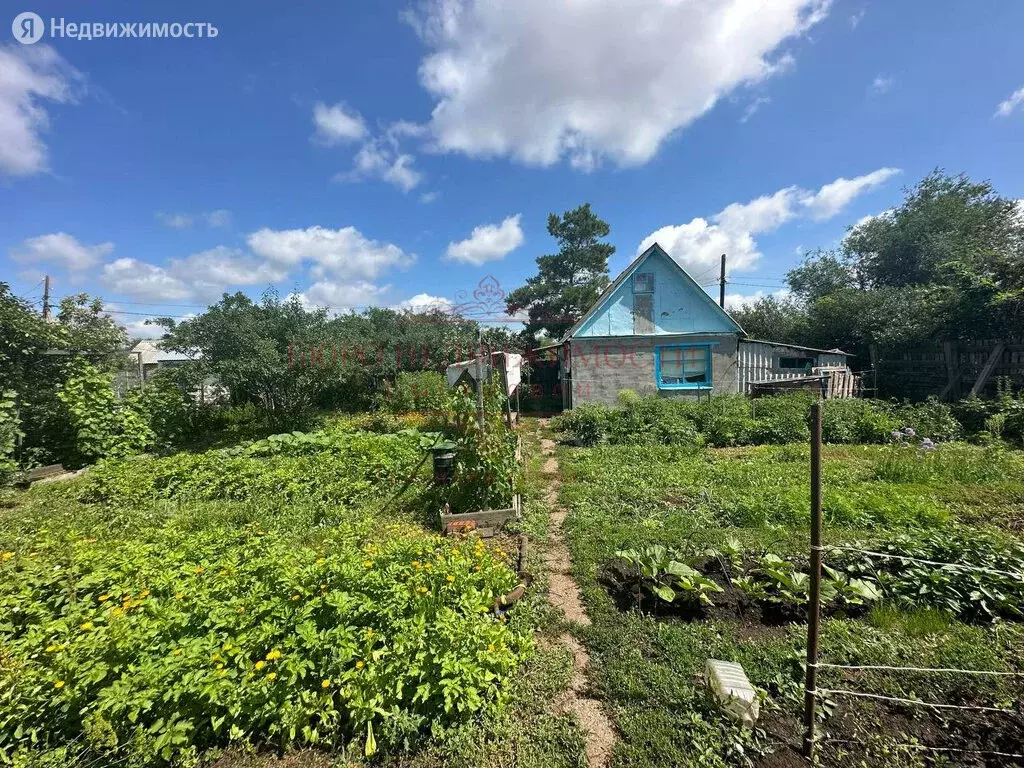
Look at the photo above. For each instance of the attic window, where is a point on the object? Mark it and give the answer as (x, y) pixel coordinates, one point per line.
(643, 282)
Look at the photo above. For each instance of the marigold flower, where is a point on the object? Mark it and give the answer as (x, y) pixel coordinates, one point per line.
(58, 683)
(144, 593)
(450, 578)
(274, 654)
(220, 666)
(198, 569)
(179, 595)
(360, 664)
(368, 564)
(415, 563)
(52, 648)
(422, 590)
(178, 651)
(117, 611)
(261, 664)
(103, 598)
(86, 626)
(325, 684)
(7, 555)
(491, 648)
(272, 676)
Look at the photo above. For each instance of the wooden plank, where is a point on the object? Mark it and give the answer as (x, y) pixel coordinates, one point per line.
(41, 472)
(990, 365)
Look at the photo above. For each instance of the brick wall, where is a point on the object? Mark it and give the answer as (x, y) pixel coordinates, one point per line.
(602, 367)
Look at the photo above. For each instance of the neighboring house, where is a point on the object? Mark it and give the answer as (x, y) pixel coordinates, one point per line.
(655, 330)
(149, 358)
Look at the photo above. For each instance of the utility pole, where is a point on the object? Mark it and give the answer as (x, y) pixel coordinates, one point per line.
(721, 285)
(46, 298)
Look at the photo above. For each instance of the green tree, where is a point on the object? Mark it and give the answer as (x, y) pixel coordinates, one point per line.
(568, 282)
(774, 319)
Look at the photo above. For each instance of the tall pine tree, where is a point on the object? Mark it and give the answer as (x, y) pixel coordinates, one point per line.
(568, 282)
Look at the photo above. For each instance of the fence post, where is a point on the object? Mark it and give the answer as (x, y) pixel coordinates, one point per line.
(814, 603)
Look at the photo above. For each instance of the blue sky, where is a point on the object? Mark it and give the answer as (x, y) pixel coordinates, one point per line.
(370, 153)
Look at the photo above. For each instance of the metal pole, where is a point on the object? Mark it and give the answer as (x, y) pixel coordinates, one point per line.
(480, 381)
(814, 604)
(721, 285)
(46, 297)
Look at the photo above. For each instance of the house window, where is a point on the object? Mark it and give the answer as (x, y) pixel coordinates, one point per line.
(643, 282)
(687, 366)
(802, 363)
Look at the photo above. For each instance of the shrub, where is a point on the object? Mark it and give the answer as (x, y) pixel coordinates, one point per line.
(420, 391)
(9, 432)
(781, 419)
(850, 420)
(585, 425)
(930, 418)
(724, 420)
(651, 421)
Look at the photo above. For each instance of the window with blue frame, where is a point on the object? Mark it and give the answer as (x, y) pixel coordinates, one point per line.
(684, 366)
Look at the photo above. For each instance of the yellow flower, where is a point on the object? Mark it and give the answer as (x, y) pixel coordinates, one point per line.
(368, 564)
(260, 664)
(450, 578)
(178, 651)
(103, 598)
(144, 593)
(491, 647)
(428, 566)
(52, 648)
(296, 596)
(325, 684)
(274, 654)
(220, 666)
(7, 555)
(86, 626)
(272, 676)
(58, 683)
(360, 664)
(415, 563)
(179, 595)
(198, 569)
(422, 590)
(116, 611)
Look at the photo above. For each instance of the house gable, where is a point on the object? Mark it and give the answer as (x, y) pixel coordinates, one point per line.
(674, 304)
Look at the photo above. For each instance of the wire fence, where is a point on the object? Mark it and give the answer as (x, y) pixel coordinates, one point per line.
(812, 690)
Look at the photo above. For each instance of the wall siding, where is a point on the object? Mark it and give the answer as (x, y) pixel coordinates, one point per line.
(602, 367)
(758, 361)
(679, 306)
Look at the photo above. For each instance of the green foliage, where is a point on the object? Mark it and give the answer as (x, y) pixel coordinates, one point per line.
(567, 283)
(665, 574)
(188, 639)
(419, 391)
(851, 420)
(973, 592)
(104, 425)
(9, 432)
(584, 425)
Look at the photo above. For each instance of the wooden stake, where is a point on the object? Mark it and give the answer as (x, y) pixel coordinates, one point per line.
(814, 604)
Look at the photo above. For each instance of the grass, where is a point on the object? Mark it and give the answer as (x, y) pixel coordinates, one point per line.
(648, 669)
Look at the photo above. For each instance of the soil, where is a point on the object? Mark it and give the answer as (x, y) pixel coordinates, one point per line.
(964, 738)
(564, 594)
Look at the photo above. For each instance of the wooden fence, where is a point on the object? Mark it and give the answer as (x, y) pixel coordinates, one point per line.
(948, 370)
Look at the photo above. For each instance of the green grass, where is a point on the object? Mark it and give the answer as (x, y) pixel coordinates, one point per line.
(648, 670)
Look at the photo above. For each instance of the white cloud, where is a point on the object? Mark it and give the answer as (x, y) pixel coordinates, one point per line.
(342, 296)
(29, 75)
(753, 107)
(488, 242)
(428, 197)
(203, 275)
(381, 159)
(424, 302)
(699, 244)
(336, 125)
(545, 80)
(857, 18)
(882, 84)
(1010, 105)
(218, 218)
(744, 301)
(832, 198)
(62, 249)
(175, 220)
(344, 253)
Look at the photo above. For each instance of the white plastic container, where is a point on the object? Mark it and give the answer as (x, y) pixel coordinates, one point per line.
(730, 686)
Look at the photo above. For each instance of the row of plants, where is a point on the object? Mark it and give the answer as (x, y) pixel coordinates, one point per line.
(983, 581)
(181, 640)
(727, 420)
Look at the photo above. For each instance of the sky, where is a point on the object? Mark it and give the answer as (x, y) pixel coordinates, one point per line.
(398, 154)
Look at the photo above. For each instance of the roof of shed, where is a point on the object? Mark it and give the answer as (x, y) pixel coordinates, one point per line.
(835, 351)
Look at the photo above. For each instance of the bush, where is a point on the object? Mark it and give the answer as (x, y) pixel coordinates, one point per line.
(585, 425)
(929, 419)
(421, 391)
(652, 421)
(850, 420)
(9, 431)
(724, 420)
(781, 419)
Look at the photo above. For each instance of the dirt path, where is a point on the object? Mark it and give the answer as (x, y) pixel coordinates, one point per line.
(564, 594)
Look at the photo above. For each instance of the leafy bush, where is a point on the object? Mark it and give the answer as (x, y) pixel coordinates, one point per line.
(971, 595)
(418, 391)
(930, 418)
(781, 419)
(9, 432)
(665, 574)
(651, 421)
(585, 425)
(104, 425)
(850, 420)
(725, 420)
(187, 639)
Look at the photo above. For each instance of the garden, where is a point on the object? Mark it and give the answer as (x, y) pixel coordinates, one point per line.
(688, 525)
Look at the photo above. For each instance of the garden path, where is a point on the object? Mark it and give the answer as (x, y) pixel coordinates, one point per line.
(564, 594)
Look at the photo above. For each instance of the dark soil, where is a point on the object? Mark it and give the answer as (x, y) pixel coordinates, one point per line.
(863, 733)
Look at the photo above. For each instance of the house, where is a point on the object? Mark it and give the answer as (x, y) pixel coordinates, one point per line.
(149, 357)
(656, 331)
